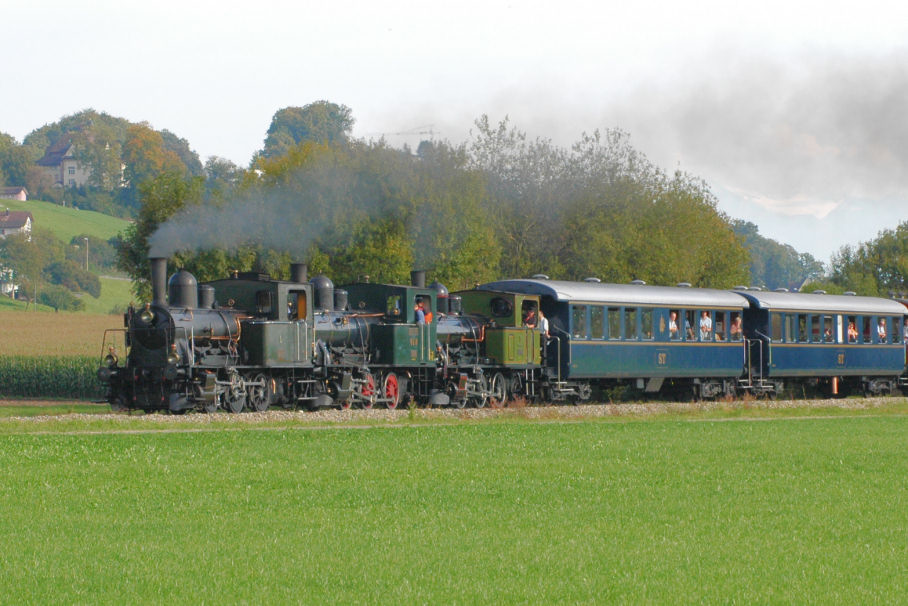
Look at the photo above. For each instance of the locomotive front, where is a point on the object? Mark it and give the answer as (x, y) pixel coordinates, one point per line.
(164, 340)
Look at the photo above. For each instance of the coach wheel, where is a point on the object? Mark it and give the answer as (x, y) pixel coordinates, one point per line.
(695, 393)
(368, 390)
(499, 391)
(390, 389)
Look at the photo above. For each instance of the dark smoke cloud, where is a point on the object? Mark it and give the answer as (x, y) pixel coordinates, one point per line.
(287, 218)
(799, 137)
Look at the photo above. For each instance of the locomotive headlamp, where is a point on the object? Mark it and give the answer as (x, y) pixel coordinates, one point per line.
(172, 357)
(147, 316)
(111, 359)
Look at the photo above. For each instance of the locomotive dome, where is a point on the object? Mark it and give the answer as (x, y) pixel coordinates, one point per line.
(440, 288)
(321, 282)
(183, 290)
(324, 292)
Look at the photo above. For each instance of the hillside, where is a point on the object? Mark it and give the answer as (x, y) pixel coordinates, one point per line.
(66, 222)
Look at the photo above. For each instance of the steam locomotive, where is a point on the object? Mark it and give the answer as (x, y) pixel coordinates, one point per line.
(250, 342)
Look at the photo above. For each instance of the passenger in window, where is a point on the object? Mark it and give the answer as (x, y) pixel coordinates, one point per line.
(706, 326)
(529, 318)
(852, 332)
(543, 325)
(673, 324)
(905, 330)
(881, 330)
(420, 312)
(737, 329)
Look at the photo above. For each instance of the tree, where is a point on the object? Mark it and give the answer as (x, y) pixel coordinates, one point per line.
(29, 254)
(14, 161)
(878, 267)
(318, 122)
(160, 198)
(601, 209)
(774, 265)
(146, 156)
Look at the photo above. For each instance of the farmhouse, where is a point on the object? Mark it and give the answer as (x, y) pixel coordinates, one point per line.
(15, 222)
(14, 193)
(60, 163)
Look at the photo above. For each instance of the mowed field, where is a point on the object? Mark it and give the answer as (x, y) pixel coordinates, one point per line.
(655, 510)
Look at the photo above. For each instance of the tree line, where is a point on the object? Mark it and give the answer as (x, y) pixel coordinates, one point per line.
(500, 205)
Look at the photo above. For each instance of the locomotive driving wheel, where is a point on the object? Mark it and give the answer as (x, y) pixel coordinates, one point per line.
(390, 388)
(499, 391)
(259, 393)
(368, 390)
(235, 395)
(480, 398)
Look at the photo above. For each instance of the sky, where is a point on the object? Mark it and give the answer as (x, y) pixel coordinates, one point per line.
(793, 112)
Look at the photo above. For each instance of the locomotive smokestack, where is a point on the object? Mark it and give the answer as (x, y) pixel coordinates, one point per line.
(299, 272)
(418, 278)
(159, 280)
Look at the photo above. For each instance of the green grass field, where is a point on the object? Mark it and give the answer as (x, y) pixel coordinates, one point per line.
(115, 293)
(66, 222)
(665, 511)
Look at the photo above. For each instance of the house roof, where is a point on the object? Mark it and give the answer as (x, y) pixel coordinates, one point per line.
(54, 154)
(11, 191)
(15, 219)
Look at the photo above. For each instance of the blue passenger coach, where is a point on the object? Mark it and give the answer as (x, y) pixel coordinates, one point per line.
(846, 342)
(658, 338)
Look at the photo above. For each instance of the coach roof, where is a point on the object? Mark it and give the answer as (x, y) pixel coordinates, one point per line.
(621, 294)
(808, 302)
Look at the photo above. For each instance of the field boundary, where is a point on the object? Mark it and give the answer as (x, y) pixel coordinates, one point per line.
(370, 419)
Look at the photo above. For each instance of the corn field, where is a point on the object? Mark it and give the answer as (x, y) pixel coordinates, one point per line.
(50, 377)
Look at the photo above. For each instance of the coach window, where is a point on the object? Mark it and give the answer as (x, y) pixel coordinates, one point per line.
(579, 322)
(828, 335)
(882, 330)
(852, 329)
(596, 321)
(866, 334)
(690, 321)
(803, 335)
(614, 323)
(895, 323)
(776, 321)
(630, 323)
(720, 321)
(814, 323)
(646, 324)
(791, 328)
(674, 324)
